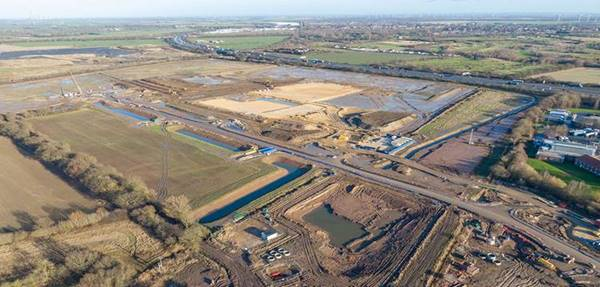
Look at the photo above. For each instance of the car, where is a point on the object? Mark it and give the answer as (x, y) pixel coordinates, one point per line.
(492, 257)
(283, 251)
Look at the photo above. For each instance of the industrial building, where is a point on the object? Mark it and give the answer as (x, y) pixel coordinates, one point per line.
(559, 151)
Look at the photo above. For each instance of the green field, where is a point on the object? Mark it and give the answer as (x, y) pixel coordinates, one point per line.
(479, 107)
(90, 43)
(243, 42)
(486, 66)
(361, 58)
(584, 110)
(576, 75)
(195, 169)
(567, 172)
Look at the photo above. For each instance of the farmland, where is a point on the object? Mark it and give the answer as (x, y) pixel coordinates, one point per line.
(360, 57)
(577, 75)
(567, 172)
(30, 192)
(195, 170)
(482, 66)
(479, 107)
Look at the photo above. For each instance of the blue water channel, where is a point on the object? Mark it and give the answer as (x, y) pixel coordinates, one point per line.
(208, 140)
(122, 112)
(293, 173)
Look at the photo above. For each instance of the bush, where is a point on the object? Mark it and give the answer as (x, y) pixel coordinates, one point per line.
(178, 207)
(148, 217)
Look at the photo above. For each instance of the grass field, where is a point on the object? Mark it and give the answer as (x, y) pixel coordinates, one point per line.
(90, 43)
(485, 66)
(29, 191)
(585, 111)
(360, 58)
(577, 75)
(477, 108)
(567, 172)
(243, 42)
(195, 170)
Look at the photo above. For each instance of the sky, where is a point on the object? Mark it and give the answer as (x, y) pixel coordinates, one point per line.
(17, 9)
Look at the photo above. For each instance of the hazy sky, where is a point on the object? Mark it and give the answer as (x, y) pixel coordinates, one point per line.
(174, 8)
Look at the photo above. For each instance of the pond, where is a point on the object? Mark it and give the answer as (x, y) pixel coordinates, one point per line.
(293, 173)
(340, 230)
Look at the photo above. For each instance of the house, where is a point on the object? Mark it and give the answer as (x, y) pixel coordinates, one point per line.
(588, 163)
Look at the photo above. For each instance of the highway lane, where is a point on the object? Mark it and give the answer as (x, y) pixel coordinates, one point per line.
(497, 214)
(527, 86)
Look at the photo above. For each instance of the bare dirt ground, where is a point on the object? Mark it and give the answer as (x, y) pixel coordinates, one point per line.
(393, 221)
(300, 110)
(255, 107)
(29, 191)
(457, 156)
(188, 68)
(308, 92)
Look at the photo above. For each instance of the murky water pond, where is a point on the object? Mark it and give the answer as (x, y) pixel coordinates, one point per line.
(339, 229)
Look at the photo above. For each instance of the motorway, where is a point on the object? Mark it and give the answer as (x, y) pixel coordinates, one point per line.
(528, 86)
(499, 214)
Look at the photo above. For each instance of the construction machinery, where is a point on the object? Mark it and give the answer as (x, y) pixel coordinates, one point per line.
(546, 263)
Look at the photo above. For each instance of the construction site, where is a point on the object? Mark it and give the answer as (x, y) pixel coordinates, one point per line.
(271, 174)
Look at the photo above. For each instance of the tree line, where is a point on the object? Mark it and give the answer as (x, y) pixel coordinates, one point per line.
(167, 220)
(514, 165)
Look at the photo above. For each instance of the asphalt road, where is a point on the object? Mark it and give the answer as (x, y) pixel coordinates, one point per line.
(528, 86)
(499, 214)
